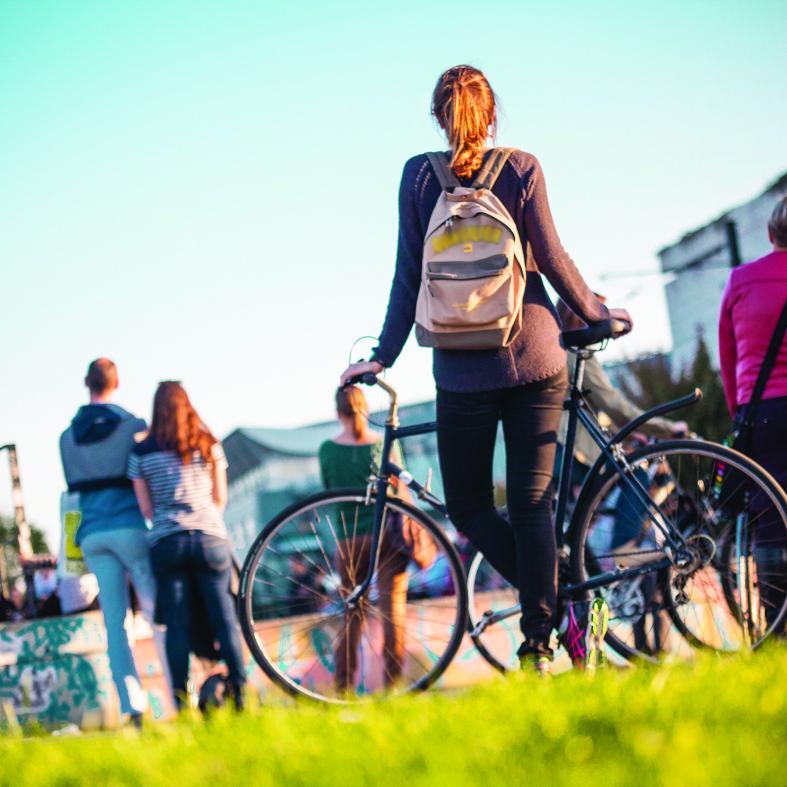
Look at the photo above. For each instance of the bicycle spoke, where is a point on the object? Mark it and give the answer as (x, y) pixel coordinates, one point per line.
(294, 582)
(336, 540)
(706, 599)
(300, 646)
(328, 564)
(410, 653)
(275, 625)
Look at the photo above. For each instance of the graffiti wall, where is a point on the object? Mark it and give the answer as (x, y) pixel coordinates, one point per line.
(56, 671)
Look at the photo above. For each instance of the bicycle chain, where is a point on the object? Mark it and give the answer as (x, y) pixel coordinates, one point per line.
(632, 554)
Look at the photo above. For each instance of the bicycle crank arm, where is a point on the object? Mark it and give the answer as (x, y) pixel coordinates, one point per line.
(489, 618)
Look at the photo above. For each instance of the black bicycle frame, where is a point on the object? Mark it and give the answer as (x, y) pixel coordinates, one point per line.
(393, 431)
(611, 455)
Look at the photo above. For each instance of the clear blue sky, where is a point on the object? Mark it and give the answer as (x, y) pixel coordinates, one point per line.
(207, 191)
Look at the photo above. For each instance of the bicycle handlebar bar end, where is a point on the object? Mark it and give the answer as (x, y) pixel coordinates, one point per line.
(618, 328)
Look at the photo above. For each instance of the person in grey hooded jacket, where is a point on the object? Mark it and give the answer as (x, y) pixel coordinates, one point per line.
(112, 531)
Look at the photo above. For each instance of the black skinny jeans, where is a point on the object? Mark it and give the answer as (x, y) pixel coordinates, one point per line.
(769, 448)
(524, 552)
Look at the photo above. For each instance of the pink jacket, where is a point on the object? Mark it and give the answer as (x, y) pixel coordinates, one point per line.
(751, 304)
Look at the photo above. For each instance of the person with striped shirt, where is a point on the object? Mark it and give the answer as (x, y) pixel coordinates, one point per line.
(179, 474)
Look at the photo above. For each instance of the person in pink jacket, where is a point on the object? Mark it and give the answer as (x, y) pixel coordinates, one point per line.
(750, 308)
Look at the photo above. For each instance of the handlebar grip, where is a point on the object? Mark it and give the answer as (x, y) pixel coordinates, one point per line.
(619, 328)
(368, 378)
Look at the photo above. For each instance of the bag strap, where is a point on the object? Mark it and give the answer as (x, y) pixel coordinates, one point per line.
(767, 366)
(491, 168)
(445, 175)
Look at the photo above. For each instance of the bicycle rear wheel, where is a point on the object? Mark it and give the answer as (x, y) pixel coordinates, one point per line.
(301, 570)
(732, 595)
(487, 592)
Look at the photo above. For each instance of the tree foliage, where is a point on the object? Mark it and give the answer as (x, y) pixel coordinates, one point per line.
(9, 536)
(650, 382)
(9, 544)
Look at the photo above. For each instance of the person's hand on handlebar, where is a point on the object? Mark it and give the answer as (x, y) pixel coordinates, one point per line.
(622, 315)
(359, 368)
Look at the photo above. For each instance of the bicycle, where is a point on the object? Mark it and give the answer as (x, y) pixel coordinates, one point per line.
(407, 649)
(667, 591)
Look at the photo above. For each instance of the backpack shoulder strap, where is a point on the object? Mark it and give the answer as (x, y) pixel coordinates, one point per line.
(491, 168)
(445, 175)
(767, 364)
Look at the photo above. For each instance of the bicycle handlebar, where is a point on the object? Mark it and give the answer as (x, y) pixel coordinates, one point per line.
(583, 337)
(596, 333)
(369, 378)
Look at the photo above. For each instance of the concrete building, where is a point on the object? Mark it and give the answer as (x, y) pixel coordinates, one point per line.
(700, 263)
(271, 468)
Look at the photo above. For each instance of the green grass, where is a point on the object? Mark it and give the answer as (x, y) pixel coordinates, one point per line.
(718, 721)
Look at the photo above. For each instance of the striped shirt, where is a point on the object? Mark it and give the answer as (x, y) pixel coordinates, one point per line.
(182, 495)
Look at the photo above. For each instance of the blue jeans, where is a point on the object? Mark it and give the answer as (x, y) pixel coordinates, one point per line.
(186, 564)
(114, 556)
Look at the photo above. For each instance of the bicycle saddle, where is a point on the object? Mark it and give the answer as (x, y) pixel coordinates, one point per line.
(594, 334)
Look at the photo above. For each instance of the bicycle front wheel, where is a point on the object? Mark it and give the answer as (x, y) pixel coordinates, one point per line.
(731, 594)
(301, 624)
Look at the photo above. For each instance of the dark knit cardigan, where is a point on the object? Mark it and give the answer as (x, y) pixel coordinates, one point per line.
(535, 353)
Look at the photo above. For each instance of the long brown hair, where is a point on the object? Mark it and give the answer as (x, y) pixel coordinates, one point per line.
(176, 426)
(351, 403)
(464, 105)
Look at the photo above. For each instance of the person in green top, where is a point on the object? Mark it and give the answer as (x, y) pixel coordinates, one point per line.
(347, 461)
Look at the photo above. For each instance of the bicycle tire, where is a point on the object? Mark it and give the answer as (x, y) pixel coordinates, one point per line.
(473, 617)
(583, 516)
(345, 497)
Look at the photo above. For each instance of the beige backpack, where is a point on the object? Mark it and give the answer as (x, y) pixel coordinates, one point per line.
(473, 269)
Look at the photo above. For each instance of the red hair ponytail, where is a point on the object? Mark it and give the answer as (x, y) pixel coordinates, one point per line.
(351, 403)
(465, 107)
(177, 427)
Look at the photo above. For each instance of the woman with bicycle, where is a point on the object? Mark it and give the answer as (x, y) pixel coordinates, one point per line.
(522, 384)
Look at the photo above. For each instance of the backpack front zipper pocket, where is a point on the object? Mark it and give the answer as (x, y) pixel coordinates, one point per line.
(475, 292)
(475, 269)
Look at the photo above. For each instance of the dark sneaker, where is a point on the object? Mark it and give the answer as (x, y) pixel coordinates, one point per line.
(238, 694)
